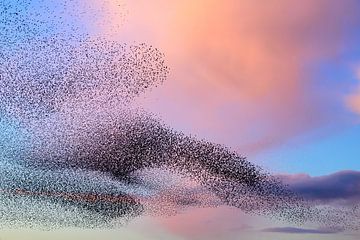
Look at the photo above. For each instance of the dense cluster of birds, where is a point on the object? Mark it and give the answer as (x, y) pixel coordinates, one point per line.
(74, 151)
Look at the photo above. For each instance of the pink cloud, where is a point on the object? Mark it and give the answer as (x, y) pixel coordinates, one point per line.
(353, 100)
(240, 68)
(208, 223)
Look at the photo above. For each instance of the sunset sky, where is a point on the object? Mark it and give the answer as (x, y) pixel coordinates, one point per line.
(277, 81)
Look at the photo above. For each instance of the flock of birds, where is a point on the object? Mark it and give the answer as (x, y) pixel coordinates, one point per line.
(76, 152)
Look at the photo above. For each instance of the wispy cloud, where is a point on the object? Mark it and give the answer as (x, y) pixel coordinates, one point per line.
(293, 230)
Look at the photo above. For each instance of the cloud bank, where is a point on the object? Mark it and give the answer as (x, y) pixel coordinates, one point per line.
(340, 187)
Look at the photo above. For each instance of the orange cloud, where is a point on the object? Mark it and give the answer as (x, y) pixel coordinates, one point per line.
(240, 68)
(353, 101)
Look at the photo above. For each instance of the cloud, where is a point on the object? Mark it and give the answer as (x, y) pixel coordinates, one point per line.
(353, 100)
(209, 223)
(301, 230)
(341, 187)
(240, 69)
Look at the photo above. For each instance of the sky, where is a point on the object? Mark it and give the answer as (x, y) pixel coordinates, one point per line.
(262, 78)
(276, 81)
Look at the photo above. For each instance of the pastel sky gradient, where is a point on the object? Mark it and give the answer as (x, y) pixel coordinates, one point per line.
(263, 78)
(278, 81)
